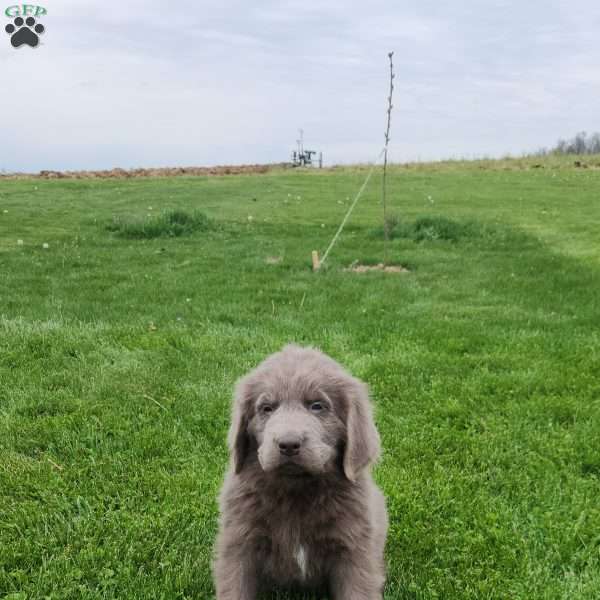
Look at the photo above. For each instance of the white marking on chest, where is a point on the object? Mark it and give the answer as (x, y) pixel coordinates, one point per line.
(301, 559)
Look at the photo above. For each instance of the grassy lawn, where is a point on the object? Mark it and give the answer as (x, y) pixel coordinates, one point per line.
(118, 356)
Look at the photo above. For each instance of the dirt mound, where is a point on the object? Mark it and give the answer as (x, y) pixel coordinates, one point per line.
(358, 268)
(159, 172)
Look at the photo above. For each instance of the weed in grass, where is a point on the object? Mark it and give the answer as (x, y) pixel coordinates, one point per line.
(173, 223)
(390, 226)
(439, 228)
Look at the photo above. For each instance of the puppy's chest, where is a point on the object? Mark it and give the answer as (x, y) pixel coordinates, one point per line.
(293, 558)
(296, 533)
(296, 549)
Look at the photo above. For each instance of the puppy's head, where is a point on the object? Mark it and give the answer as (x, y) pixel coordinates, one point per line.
(302, 413)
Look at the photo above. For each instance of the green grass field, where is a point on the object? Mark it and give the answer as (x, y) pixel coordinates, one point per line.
(118, 355)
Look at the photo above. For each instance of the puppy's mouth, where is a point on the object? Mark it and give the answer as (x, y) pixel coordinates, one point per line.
(290, 462)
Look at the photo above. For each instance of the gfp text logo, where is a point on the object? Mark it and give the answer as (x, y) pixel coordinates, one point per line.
(24, 30)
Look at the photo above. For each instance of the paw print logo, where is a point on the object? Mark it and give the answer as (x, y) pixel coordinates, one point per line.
(24, 32)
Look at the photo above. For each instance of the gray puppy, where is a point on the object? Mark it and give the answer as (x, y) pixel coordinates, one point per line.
(299, 508)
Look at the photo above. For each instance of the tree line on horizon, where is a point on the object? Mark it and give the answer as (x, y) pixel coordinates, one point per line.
(581, 143)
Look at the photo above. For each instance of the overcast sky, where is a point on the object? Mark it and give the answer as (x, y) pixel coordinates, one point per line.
(145, 83)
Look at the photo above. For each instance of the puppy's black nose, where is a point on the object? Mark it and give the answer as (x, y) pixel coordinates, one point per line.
(289, 445)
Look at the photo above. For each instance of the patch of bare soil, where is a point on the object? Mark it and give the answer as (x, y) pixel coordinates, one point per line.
(358, 268)
(160, 172)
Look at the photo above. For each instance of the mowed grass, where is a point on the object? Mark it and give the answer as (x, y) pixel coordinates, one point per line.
(118, 357)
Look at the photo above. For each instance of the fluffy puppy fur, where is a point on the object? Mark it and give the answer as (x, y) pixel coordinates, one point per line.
(299, 508)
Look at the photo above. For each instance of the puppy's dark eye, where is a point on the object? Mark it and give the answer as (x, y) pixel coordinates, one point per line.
(317, 406)
(266, 409)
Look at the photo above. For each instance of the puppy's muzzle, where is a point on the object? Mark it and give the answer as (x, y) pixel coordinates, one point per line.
(289, 444)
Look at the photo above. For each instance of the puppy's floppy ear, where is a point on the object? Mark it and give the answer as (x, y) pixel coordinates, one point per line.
(239, 442)
(362, 439)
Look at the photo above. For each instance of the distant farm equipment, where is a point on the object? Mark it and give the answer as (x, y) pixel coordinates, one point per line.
(305, 158)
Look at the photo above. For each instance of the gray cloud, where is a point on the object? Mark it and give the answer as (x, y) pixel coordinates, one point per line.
(151, 84)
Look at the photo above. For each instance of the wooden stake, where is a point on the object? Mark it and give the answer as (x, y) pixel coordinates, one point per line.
(315, 260)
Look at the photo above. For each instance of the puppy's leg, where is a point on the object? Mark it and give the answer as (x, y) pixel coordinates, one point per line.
(235, 574)
(358, 577)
